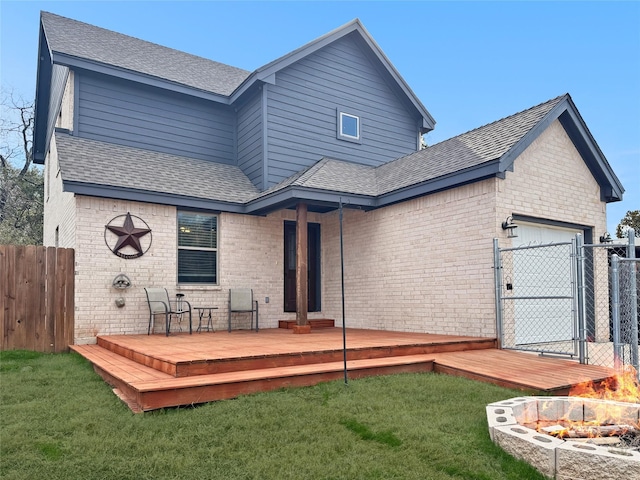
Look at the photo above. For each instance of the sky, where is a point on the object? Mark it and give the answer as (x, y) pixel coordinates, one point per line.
(470, 63)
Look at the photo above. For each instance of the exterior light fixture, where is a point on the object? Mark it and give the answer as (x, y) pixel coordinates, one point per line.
(510, 227)
(606, 238)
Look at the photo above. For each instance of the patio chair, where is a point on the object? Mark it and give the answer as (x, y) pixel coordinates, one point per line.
(241, 300)
(159, 304)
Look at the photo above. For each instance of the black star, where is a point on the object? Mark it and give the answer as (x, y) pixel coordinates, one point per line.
(128, 235)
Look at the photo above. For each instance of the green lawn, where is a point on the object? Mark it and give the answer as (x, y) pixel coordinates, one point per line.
(59, 420)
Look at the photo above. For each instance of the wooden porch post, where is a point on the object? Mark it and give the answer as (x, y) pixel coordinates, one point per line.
(301, 265)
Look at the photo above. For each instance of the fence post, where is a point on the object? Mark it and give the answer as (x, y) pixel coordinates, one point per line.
(615, 311)
(633, 292)
(582, 332)
(497, 269)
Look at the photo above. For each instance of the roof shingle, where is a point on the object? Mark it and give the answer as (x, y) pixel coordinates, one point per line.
(89, 42)
(98, 163)
(483, 144)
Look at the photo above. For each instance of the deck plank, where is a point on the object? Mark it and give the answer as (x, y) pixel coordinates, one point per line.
(155, 371)
(522, 370)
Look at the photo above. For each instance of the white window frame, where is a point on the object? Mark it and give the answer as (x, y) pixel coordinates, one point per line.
(344, 136)
(200, 249)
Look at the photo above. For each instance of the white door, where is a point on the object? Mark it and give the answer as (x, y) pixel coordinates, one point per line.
(543, 273)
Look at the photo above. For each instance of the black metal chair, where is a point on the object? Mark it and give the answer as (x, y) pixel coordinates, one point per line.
(159, 304)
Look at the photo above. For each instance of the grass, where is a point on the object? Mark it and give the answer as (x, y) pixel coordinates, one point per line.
(59, 420)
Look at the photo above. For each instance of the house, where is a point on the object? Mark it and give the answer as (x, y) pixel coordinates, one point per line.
(167, 169)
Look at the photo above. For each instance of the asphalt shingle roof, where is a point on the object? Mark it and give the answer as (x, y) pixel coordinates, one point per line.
(98, 163)
(89, 42)
(484, 144)
(470, 149)
(333, 175)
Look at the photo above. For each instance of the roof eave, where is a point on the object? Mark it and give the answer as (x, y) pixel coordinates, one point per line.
(93, 66)
(266, 72)
(42, 95)
(444, 182)
(575, 126)
(122, 193)
(566, 112)
(428, 121)
(293, 194)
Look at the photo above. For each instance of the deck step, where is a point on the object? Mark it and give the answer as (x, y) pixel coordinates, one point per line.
(209, 363)
(315, 323)
(144, 388)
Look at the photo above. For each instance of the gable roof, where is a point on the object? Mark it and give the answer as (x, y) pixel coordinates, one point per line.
(95, 168)
(69, 43)
(266, 72)
(484, 152)
(465, 151)
(76, 43)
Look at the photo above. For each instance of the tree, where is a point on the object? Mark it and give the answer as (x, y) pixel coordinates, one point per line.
(631, 219)
(21, 183)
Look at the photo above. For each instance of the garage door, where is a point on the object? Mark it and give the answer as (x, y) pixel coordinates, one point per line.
(542, 276)
(537, 234)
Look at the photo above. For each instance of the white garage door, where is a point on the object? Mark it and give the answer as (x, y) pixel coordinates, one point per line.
(537, 234)
(543, 273)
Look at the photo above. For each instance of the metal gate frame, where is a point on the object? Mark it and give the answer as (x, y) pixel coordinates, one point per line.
(585, 282)
(551, 347)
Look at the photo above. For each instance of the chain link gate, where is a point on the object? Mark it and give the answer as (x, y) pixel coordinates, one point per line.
(537, 298)
(562, 298)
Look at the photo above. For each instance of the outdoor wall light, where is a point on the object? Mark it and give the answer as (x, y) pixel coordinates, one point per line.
(121, 282)
(510, 227)
(606, 238)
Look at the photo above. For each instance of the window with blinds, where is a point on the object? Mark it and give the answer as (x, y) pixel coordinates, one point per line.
(197, 248)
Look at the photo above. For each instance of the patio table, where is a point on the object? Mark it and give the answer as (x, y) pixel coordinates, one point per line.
(201, 315)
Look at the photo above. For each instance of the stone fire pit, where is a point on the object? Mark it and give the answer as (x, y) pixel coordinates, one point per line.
(509, 427)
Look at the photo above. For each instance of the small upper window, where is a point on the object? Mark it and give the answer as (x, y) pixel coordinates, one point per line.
(348, 126)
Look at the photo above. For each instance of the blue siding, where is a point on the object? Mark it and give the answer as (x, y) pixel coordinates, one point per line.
(126, 113)
(250, 139)
(302, 108)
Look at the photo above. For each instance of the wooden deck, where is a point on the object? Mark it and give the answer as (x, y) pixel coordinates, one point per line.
(151, 372)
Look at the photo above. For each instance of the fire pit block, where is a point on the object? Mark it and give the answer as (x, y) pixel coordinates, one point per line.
(578, 461)
(525, 410)
(560, 459)
(611, 412)
(528, 445)
(499, 416)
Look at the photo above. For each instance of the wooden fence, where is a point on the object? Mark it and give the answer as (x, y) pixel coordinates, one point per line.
(36, 298)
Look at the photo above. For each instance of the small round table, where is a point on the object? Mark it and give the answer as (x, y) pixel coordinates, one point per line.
(201, 315)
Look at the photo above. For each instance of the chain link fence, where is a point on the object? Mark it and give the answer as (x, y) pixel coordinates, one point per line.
(625, 309)
(569, 299)
(538, 304)
(597, 305)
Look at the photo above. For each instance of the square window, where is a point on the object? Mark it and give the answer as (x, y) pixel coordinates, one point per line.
(348, 127)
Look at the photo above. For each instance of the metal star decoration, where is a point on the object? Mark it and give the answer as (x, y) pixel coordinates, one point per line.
(128, 235)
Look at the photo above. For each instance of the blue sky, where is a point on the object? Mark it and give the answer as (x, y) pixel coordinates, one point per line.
(470, 63)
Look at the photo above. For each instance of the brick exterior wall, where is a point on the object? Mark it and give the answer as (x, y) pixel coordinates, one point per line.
(551, 181)
(243, 262)
(424, 265)
(59, 206)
